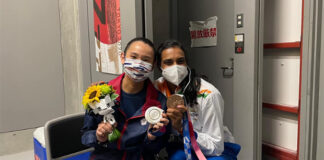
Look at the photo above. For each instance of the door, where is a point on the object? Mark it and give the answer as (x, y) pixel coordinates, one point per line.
(240, 91)
(209, 60)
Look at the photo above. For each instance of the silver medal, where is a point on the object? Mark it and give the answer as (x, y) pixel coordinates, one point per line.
(153, 115)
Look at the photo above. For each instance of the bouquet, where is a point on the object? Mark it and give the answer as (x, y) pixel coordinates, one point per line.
(100, 99)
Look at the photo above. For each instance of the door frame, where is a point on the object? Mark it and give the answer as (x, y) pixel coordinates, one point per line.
(260, 80)
(310, 85)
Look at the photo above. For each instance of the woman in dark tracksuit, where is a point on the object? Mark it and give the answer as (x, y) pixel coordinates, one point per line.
(136, 95)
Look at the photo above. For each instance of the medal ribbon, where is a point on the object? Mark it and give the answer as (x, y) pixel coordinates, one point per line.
(190, 139)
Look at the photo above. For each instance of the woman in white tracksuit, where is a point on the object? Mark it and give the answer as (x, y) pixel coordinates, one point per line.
(204, 103)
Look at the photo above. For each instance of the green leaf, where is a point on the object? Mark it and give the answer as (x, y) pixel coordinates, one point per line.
(114, 96)
(105, 89)
(114, 135)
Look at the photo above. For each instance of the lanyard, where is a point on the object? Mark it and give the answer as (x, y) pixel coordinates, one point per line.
(186, 137)
(190, 139)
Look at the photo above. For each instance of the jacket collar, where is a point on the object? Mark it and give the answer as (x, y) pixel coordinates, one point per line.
(162, 85)
(151, 93)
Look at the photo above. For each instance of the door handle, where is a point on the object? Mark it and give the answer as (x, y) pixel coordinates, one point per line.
(228, 71)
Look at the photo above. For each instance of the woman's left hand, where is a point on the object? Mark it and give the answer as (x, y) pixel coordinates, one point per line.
(164, 121)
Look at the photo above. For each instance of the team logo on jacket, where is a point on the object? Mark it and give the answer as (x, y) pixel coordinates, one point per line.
(143, 122)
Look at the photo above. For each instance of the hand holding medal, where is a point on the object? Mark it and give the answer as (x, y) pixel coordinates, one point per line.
(158, 120)
(176, 108)
(176, 105)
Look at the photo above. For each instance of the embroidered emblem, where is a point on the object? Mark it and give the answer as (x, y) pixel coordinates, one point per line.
(204, 93)
(143, 122)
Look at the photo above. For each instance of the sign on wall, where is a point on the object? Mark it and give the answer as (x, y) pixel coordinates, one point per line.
(107, 36)
(203, 33)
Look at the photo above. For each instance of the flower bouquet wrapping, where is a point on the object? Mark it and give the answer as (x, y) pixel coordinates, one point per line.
(100, 99)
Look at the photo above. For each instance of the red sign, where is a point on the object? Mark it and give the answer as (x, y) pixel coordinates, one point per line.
(107, 20)
(205, 33)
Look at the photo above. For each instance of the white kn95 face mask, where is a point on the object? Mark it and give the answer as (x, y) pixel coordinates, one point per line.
(175, 74)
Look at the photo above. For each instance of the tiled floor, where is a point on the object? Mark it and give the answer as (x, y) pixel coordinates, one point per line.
(27, 155)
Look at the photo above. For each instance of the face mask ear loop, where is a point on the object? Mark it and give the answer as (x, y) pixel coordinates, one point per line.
(184, 90)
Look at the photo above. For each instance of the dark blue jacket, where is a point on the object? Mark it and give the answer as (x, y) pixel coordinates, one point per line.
(133, 142)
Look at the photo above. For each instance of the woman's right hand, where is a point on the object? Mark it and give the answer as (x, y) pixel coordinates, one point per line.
(103, 130)
(176, 116)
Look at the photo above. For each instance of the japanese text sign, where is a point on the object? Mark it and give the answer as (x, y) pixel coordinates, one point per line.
(203, 33)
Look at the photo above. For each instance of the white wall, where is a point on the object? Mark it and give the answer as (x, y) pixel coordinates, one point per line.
(73, 27)
(72, 56)
(280, 128)
(282, 17)
(281, 76)
(31, 64)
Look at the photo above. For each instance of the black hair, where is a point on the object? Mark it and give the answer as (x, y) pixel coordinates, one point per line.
(144, 40)
(193, 88)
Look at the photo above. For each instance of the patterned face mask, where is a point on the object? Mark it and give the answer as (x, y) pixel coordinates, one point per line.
(137, 70)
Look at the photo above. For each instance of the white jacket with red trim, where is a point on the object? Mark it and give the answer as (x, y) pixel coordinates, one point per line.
(207, 118)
